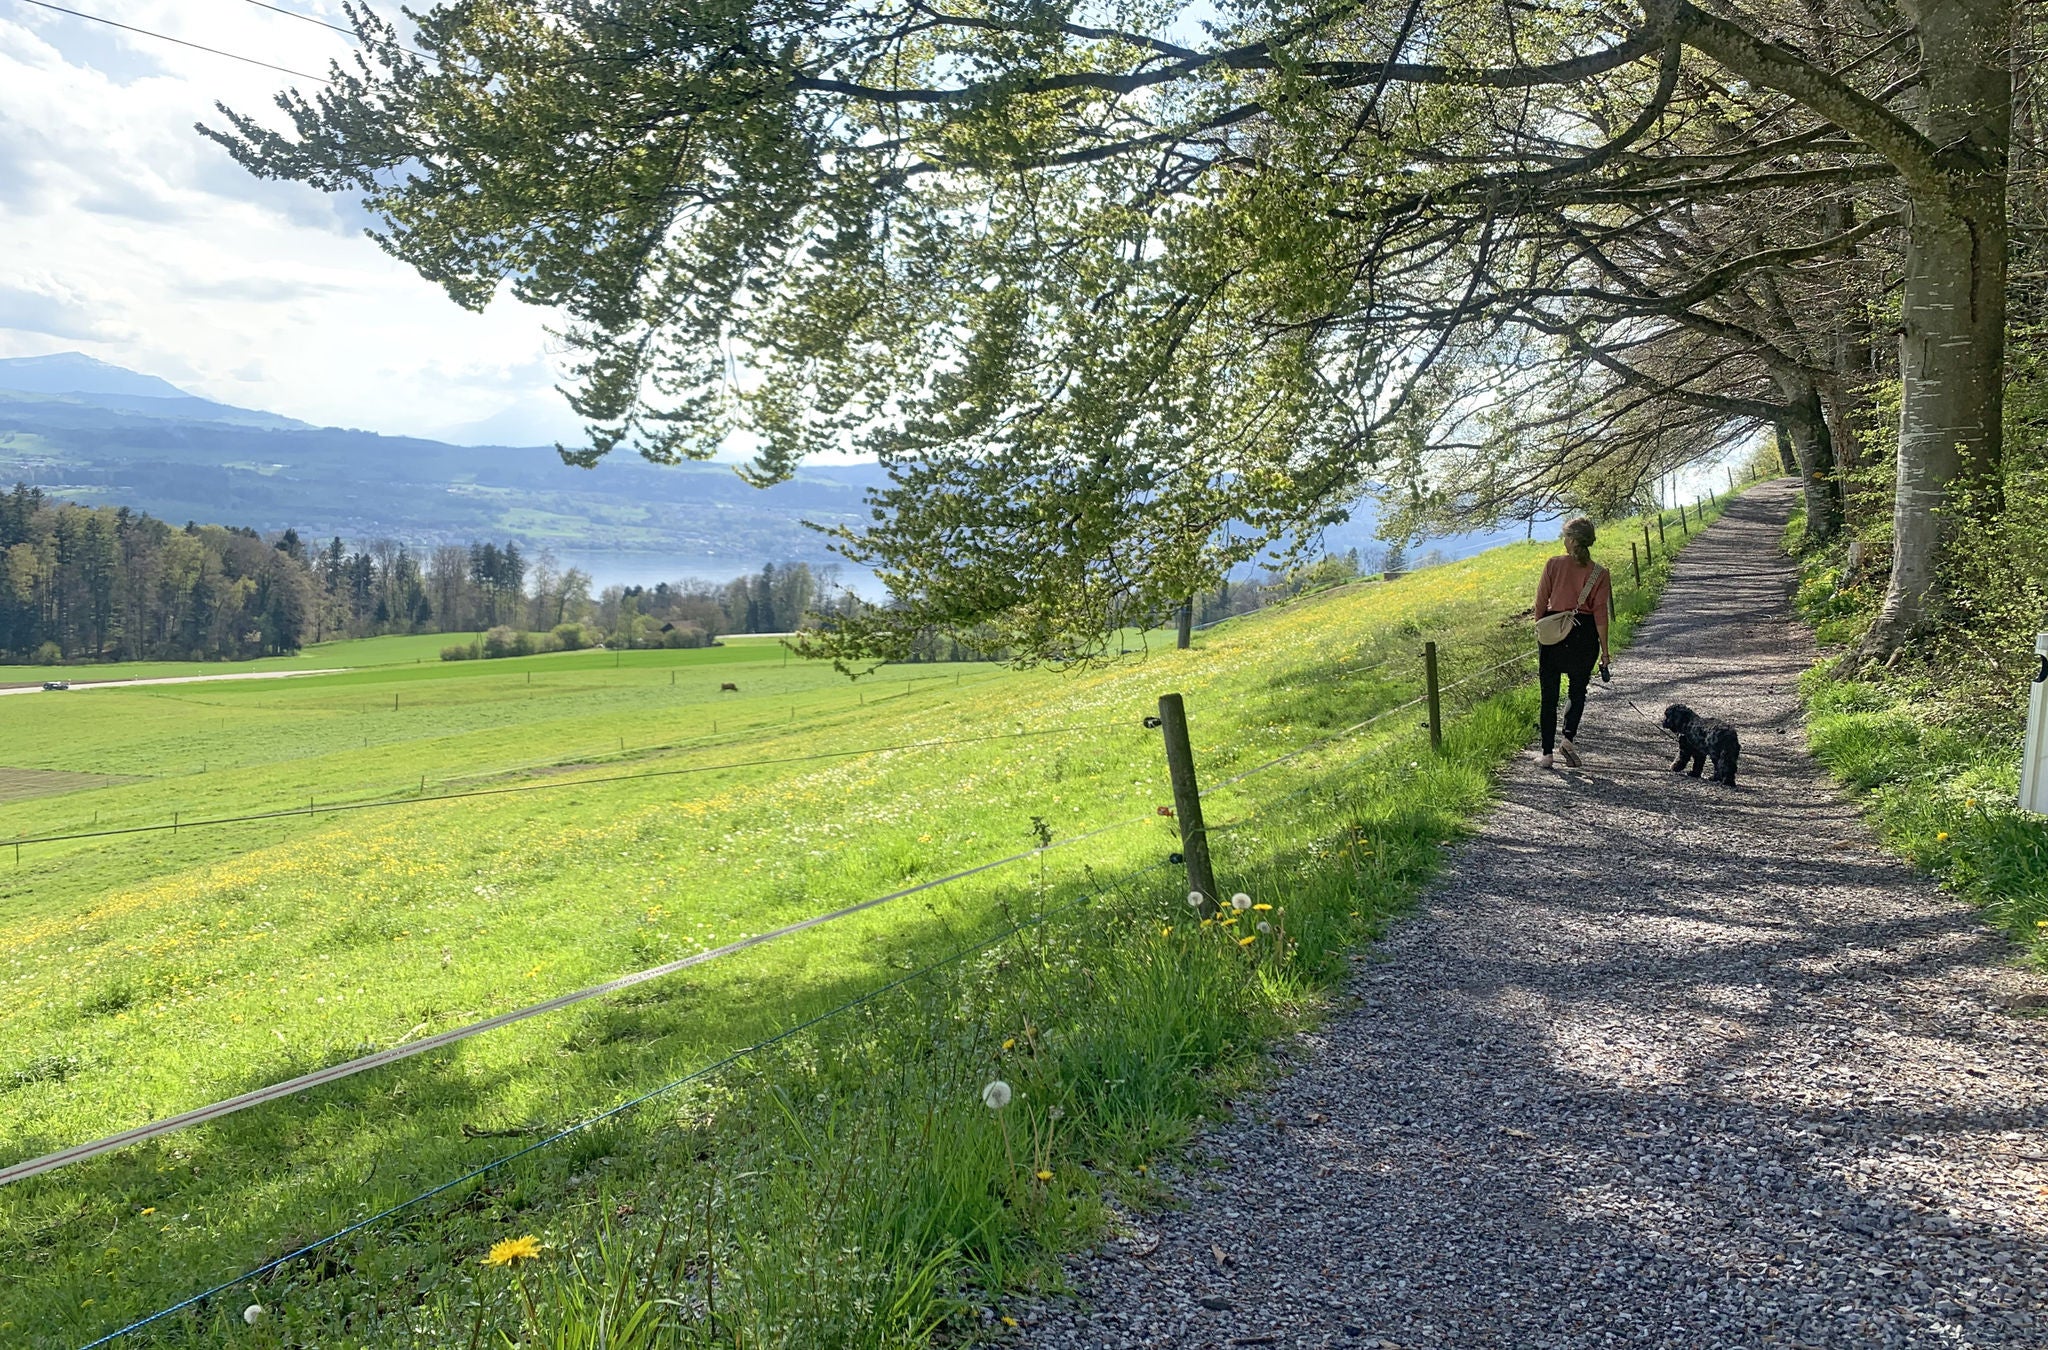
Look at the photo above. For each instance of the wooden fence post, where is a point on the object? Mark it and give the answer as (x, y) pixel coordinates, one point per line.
(1649, 553)
(1660, 529)
(1187, 624)
(1187, 801)
(1635, 563)
(1436, 707)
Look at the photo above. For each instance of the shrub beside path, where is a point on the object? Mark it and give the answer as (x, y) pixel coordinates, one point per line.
(1655, 1063)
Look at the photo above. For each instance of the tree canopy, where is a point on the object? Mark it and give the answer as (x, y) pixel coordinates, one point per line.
(1123, 294)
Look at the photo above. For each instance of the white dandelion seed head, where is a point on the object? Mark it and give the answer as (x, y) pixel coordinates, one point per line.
(1195, 899)
(1240, 901)
(996, 1095)
(1055, 1112)
(253, 1314)
(1265, 927)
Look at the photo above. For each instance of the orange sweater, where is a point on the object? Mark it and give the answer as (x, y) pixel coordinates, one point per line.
(1559, 591)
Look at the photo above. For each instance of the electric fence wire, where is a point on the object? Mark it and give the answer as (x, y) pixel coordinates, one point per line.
(346, 32)
(1347, 732)
(53, 1161)
(743, 735)
(166, 37)
(155, 1129)
(287, 813)
(695, 1075)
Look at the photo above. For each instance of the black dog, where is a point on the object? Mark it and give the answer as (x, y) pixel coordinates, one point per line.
(1701, 739)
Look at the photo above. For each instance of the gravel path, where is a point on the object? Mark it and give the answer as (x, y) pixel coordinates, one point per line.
(1726, 1076)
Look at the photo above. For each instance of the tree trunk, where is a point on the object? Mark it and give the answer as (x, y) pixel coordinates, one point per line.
(1952, 308)
(1786, 461)
(1814, 449)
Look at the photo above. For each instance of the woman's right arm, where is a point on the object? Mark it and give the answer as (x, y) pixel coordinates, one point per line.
(1542, 588)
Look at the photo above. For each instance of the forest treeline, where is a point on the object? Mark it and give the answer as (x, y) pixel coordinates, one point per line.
(84, 583)
(87, 583)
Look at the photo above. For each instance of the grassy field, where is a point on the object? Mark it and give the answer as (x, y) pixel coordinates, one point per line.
(657, 816)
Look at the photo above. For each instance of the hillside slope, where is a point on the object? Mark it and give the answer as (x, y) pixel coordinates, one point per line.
(660, 816)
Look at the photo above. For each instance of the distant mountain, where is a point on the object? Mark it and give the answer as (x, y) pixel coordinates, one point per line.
(77, 373)
(98, 434)
(73, 377)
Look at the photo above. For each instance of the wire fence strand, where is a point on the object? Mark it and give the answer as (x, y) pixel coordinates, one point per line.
(386, 803)
(695, 1075)
(201, 1115)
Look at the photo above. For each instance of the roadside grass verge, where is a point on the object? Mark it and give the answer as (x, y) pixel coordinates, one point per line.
(841, 1185)
(1941, 791)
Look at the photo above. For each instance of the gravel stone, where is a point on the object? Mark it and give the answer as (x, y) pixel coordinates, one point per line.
(1656, 1063)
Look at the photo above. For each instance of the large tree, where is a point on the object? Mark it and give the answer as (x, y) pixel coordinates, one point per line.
(1119, 297)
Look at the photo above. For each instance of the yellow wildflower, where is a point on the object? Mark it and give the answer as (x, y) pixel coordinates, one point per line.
(1941, 836)
(513, 1250)
(1261, 906)
(1166, 931)
(1045, 1176)
(1248, 939)
(1010, 1044)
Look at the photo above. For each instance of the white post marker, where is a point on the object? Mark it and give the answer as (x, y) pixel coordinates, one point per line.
(2034, 761)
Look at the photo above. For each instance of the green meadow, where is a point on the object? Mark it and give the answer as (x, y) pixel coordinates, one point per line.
(467, 838)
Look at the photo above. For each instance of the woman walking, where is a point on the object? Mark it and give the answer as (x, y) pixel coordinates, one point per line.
(1575, 590)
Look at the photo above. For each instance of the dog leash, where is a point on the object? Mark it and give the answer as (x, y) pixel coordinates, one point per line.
(1645, 716)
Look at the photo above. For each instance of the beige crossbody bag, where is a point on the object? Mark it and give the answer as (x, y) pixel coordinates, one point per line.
(1552, 629)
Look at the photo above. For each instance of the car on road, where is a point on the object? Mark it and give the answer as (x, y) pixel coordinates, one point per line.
(56, 684)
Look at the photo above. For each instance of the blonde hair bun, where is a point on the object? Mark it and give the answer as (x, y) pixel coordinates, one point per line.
(1578, 538)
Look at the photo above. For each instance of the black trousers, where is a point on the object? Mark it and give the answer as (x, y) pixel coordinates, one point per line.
(1572, 659)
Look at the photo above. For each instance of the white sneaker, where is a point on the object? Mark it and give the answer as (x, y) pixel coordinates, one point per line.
(1571, 756)
(1543, 762)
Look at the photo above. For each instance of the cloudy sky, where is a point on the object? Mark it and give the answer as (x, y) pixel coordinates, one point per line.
(126, 236)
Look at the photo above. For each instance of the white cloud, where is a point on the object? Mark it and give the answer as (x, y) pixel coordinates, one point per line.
(51, 309)
(125, 233)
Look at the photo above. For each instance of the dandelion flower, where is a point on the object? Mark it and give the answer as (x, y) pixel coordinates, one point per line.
(1265, 927)
(513, 1250)
(1010, 1044)
(1941, 836)
(996, 1095)
(1194, 899)
(1970, 804)
(1248, 939)
(1166, 931)
(1261, 906)
(1045, 1176)
(253, 1314)
(1009, 1321)
(1240, 901)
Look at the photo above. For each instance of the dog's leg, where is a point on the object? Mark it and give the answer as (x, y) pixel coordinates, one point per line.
(1699, 763)
(1678, 765)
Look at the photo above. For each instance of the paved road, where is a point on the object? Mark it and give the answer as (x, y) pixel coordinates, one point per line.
(77, 685)
(1657, 1064)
